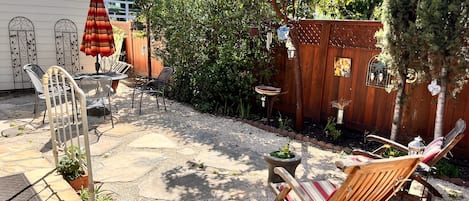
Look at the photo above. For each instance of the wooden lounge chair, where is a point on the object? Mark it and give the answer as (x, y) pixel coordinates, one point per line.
(434, 151)
(371, 180)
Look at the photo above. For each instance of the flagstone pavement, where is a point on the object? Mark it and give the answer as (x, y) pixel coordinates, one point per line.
(177, 154)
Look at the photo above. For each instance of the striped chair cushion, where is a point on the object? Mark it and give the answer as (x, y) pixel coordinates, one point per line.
(432, 149)
(360, 158)
(316, 190)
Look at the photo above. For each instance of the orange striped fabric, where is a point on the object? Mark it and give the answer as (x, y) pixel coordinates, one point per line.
(97, 37)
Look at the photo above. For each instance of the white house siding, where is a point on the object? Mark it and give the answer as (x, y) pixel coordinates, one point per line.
(43, 14)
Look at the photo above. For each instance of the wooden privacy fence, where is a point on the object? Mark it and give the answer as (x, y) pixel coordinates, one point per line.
(135, 50)
(325, 44)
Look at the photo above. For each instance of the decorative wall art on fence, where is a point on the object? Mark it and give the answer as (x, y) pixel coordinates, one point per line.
(378, 74)
(342, 67)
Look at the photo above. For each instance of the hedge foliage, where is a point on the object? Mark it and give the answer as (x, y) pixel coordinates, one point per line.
(216, 60)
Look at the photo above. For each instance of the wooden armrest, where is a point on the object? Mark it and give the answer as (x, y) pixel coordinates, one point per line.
(375, 138)
(366, 153)
(292, 183)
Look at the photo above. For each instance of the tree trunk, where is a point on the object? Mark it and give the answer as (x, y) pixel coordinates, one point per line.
(396, 119)
(440, 105)
(149, 46)
(299, 92)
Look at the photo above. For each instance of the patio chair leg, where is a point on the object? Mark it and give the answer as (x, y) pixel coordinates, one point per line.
(157, 103)
(110, 111)
(164, 103)
(36, 101)
(44, 116)
(133, 97)
(140, 106)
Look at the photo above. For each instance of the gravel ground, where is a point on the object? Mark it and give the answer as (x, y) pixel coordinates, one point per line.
(230, 151)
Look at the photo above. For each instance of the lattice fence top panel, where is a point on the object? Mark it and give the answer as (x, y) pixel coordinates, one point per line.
(309, 33)
(343, 33)
(353, 36)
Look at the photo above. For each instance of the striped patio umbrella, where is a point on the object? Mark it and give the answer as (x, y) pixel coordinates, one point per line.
(98, 37)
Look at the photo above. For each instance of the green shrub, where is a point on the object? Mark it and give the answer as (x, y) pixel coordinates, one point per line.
(283, 123)
(330, 130)
(217, 62)
(444, 167)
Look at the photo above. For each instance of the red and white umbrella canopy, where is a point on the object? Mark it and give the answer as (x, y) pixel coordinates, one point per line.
(98, 37)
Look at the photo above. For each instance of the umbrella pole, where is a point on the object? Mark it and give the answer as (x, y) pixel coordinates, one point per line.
(96, 65)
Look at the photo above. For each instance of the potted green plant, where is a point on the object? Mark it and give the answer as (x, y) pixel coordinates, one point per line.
(70, 169)
(283, 157)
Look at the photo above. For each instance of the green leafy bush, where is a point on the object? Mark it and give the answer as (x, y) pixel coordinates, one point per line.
(217, 62)
(444, 167)
(330, 130)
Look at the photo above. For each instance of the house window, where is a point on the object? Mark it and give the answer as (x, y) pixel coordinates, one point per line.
(22, 49)
(66, 45)
(378, 73)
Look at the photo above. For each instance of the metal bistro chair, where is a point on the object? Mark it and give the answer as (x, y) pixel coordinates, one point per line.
(35, 73)
(97, 89)
(156, 86)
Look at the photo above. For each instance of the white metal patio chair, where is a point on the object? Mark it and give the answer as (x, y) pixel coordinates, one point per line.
(35, 74)
(98, 91)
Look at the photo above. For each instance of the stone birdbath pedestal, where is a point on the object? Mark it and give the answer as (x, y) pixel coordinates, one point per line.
(269, 95)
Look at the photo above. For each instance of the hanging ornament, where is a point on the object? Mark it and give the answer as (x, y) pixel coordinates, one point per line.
(268, 41)
(263, 101)
(282, 33)
(434, 88)
(412, 76)
(388, 88)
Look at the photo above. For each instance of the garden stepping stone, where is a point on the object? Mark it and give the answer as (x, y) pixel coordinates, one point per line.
(221, 160)
(153, 141)
(120, 130)
(104, 145)
(126, 166)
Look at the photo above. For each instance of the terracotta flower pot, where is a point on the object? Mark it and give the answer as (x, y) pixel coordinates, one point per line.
(289, 164)
(80, 182)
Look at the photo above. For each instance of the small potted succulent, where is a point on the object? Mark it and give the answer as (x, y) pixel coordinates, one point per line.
(71, 171)
(283, 157)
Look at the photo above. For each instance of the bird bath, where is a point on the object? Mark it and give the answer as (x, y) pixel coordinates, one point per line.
(270, 93)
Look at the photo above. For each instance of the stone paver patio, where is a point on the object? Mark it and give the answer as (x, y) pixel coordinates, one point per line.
(178, 154)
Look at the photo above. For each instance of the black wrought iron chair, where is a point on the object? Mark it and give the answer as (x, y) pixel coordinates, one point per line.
(154, 86)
